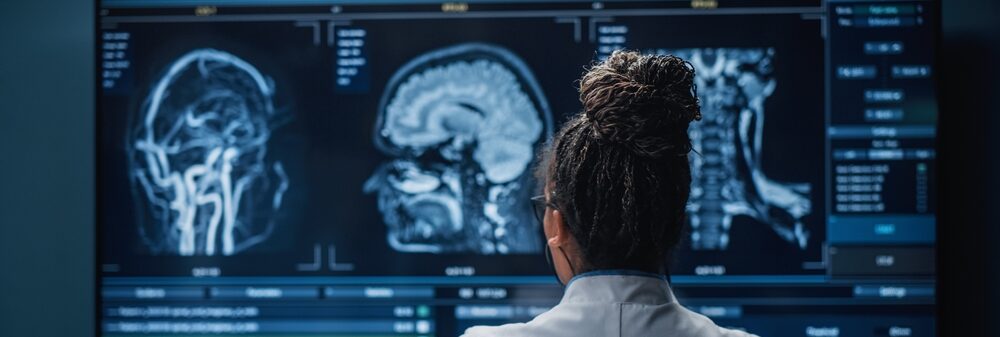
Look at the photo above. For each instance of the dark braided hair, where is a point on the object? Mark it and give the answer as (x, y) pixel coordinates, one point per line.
(619, 170)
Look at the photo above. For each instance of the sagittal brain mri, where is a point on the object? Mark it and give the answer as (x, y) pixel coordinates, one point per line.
(198, 163)
(461, 125)
(727, 178)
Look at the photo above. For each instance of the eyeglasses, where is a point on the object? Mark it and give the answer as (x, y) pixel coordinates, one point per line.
(539, 203)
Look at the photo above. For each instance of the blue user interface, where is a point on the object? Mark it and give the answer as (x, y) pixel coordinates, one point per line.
(365, 168)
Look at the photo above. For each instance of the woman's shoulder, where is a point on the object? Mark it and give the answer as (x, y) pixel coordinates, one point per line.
(612, 319)
(702, 326)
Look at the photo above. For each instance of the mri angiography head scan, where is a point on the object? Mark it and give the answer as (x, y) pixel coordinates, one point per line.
(460, 125)
(197, 157)
(727, 178)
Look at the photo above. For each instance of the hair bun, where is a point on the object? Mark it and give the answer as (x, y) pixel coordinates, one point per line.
(642, 102)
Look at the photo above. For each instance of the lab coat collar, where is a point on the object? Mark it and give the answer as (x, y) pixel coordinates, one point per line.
(620, 286)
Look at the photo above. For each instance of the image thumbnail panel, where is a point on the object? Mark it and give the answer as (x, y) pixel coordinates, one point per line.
(197, 158)
(461, 125)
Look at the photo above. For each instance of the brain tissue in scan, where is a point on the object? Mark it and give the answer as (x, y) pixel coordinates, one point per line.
(460, 125)
(197, 158)
(727, 178)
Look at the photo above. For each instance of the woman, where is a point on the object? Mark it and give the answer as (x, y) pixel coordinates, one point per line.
(617, 181)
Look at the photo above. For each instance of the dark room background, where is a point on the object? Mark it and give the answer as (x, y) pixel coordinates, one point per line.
(47, 167)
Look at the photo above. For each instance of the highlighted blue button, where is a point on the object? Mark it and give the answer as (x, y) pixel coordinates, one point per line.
(893, 229)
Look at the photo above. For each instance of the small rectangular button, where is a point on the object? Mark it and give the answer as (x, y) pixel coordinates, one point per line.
(152, 293)
(251, 292)
(863, 261)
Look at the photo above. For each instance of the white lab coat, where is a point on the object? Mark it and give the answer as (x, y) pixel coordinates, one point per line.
(613, 304)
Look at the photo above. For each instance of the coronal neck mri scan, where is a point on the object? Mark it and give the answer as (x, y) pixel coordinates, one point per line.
(728, 178)
(367, 168)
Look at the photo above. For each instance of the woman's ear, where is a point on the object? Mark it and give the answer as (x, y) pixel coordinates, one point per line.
(563, 242)
(559, 232)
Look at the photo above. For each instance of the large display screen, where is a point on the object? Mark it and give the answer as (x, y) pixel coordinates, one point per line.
(353, 168)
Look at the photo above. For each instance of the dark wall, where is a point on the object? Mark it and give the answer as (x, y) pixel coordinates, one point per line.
(46, 168)
(970, 96)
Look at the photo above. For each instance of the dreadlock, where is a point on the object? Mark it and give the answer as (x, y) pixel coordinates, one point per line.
(619, 170)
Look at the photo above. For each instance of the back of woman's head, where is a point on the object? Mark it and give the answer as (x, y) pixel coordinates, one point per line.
(619, 170)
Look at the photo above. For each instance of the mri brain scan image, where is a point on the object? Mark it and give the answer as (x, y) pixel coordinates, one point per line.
(197, 151)
(727, 178)
(460, 126)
